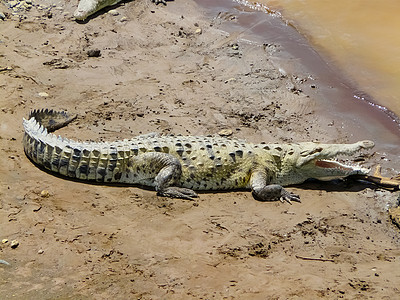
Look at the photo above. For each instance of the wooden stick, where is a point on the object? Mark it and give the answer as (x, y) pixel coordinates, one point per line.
(311, 258)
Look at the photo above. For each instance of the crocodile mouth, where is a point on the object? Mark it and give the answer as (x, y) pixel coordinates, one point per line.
(330, 164)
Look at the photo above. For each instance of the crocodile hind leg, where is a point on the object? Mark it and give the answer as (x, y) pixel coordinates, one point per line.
(269, 192)
(165, 176)
(168, 170)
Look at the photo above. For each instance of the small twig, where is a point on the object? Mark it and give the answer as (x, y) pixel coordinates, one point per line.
(311, 258)
(78, 227)
(29, 77)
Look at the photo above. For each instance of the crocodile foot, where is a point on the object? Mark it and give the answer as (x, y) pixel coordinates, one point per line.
(274, 192)
(177, 192)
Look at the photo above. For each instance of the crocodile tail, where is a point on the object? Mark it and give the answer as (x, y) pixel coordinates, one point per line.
(51, 119)
(101, 162)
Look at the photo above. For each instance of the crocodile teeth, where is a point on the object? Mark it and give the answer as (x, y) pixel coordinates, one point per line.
(327, 164)
(333, 164)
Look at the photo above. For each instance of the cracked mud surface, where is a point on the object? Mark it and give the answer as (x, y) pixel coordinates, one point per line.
(155, 73)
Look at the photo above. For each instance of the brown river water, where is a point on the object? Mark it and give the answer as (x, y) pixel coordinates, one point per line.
(348, 84)
(359, 36)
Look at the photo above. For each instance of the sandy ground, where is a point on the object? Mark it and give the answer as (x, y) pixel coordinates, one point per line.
(171, 70)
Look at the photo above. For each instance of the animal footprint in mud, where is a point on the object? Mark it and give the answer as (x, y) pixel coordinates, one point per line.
(226, 16)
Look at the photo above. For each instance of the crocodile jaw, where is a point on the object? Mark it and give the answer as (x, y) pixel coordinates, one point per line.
(330, 170)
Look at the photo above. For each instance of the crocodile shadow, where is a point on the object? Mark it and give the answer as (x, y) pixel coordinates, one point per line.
(348, 184)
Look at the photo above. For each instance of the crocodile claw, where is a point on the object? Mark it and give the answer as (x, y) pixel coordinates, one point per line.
(289, 197)
(177, 192)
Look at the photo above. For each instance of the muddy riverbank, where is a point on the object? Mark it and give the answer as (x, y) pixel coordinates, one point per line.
(175, 70)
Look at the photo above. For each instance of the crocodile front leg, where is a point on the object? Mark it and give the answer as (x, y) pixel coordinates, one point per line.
(269, 192)
(168, 170)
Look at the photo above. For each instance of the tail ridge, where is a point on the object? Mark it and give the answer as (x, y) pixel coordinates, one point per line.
(51, 119)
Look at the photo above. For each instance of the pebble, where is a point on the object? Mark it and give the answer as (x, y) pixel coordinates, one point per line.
(14, 244)
(12, 3)
(20, 5)
(93, 53)
(225, 132)
(43, 94)
(45, 194)
(4, 241)
(123, 19)
(198, 31)
(230, 80)
(41, 251)
(5, 69)
(113, 12)
(2, 16)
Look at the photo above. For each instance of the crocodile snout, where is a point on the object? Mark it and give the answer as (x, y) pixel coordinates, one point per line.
(367, 144)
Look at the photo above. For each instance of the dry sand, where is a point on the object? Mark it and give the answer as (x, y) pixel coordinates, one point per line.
(171, 70)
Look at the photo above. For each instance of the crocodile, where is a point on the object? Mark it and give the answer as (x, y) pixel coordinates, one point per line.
(86, 8)
(176, 166)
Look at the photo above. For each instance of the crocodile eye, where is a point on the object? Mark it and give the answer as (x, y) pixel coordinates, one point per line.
(316, 150)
